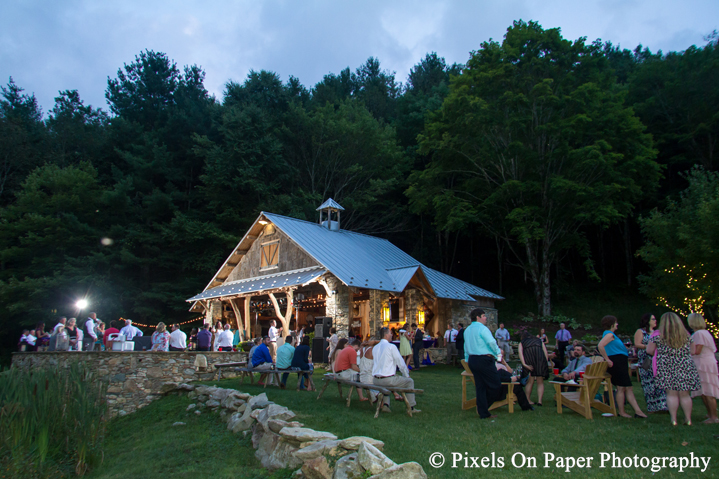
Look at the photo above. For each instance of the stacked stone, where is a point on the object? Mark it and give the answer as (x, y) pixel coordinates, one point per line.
(135, 379)
(281, 442)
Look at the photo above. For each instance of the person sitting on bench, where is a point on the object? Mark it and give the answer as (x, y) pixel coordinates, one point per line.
(301, 360)
(386, 362)
(284, 359)
(346, 365)
(262, 360)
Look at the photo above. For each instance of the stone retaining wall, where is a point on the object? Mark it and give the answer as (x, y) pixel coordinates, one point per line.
(135, 378)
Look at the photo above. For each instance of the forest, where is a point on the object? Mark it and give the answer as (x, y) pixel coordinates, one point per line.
(541, 161)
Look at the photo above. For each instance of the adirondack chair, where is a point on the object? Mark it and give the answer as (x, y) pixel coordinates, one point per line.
(583, 400)
(509, 401)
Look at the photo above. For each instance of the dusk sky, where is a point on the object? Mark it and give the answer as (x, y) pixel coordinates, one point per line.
(51, 46)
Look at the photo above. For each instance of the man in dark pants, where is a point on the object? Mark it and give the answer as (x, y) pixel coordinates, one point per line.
(506, 376)
(460, 342)
(417, 346)
(561, 341)
(482, 352)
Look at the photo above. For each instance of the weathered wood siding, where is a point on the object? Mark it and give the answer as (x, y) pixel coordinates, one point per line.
(291, 257)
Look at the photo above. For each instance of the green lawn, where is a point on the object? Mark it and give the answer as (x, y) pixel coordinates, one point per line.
(145, 445)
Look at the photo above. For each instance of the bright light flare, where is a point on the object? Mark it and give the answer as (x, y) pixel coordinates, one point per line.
(81, 304)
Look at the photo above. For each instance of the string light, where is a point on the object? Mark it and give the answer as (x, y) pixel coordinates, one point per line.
(201, 318)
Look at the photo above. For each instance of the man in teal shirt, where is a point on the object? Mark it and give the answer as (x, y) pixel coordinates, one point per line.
(482, 352)
(284, 358)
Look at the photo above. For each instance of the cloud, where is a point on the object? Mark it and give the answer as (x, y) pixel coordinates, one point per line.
(52, 46)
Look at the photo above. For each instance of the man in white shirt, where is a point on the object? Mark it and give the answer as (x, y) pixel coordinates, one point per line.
(88, 333)
(273, 340)
(130, 331)
(502, 337)
(386, 362)
(178, 339)
(224, 342)
(60, 322)
(450, 340)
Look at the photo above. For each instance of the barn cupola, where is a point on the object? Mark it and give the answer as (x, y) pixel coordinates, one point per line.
(330, 214)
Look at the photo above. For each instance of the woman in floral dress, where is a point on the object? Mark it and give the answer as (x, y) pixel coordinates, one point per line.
(161, 338)
(676, 371)
(655, 397)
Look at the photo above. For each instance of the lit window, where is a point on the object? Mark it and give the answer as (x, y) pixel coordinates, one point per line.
(270, 255)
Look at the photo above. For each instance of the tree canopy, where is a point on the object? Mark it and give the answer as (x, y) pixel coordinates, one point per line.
(532, 162)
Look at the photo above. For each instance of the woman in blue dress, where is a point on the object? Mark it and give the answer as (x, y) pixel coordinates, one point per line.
(615, 353)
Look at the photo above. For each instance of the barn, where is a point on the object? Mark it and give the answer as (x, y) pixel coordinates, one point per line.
(295, 271)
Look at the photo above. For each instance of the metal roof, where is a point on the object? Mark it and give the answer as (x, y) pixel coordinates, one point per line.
(262, 283)
(330, 203)
(369, 262)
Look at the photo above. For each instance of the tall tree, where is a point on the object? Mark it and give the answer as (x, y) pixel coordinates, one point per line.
(77, 132)
(681, 248)
(21, 138)
(533, 143)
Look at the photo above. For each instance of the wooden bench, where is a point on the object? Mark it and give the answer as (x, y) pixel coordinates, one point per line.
(239, 367)
(382, 391)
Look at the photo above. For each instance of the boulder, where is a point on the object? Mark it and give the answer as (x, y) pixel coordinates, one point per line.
(302, 434)
(179, 424)
(276, 425)
(191, 407)
(316, 449)
(372, 459)
(185, 387)
(298, 474)
(232, 402)
(255, 412)
(192, 394)
(282, 457)
(198, 412)
(212, 403)
(219, 394)
(267, 445)
(167, 387)
(240, 421)
(317, 468)
(243, 396)
(257, 433)
(274, 411)
(258, 402)
(348, 468)
(353, 443)
(408, 470)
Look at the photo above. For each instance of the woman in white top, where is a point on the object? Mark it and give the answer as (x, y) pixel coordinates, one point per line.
(365, 365)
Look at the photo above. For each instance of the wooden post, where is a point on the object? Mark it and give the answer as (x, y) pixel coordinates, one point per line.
(284, 319)
(247, 316)
(238, 316)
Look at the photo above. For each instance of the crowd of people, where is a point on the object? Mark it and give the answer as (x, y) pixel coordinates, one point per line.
(674, 365)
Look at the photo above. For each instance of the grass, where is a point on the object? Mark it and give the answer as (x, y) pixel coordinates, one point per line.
(52, 422)
(145, 444)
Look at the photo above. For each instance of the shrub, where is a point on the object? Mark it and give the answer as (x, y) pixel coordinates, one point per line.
(52, 421)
